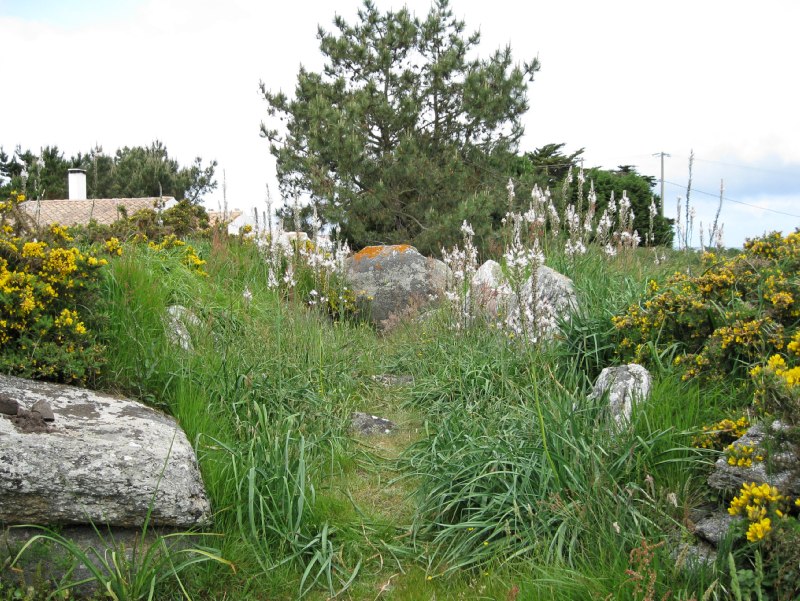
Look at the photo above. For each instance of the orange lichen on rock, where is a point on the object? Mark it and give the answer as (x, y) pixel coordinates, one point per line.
(372, 252)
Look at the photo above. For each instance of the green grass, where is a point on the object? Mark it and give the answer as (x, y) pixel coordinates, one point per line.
(503, 482)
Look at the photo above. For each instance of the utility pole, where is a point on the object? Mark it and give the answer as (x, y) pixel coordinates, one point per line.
(662, 155)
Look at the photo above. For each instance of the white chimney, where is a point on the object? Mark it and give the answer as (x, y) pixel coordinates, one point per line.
(77, 184)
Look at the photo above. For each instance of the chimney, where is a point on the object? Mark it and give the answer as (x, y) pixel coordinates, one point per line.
(77, 184)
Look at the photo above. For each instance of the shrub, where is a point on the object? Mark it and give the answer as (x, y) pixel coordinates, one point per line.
(45, 286)
(771, 528)
(734, 315)
(179, 221)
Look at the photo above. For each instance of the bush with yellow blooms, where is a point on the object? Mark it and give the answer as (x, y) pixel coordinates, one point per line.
(45, 286)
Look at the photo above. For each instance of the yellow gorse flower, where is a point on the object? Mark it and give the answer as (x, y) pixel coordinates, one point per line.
(758, 530)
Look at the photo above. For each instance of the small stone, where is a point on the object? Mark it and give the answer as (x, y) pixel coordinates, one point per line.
(366, 423)
(8, 406)
(43, 408)
(392, 380)
(693, 556)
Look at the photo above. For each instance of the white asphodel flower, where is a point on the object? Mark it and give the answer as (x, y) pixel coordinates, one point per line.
(247, 295)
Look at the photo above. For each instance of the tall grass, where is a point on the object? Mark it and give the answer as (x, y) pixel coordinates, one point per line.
(514, 477)
(265, 392)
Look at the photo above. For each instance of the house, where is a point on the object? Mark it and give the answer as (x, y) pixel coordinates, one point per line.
(78, 210)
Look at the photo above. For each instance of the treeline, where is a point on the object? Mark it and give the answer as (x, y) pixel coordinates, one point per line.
(131, 172)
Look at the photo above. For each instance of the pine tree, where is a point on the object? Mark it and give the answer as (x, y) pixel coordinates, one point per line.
(397, 130)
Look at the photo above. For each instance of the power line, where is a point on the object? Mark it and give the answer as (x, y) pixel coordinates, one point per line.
(774, 171)
(747, 204)
(727, 164)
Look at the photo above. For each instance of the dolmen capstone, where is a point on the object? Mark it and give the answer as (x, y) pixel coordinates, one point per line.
(96, 459)
(395, 281)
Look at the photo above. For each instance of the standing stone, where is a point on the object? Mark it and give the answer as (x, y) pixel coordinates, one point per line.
(396, 281)
(554, 297)
(625, 385)
(105, 460)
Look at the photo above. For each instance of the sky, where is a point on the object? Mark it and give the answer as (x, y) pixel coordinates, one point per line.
(622, 79)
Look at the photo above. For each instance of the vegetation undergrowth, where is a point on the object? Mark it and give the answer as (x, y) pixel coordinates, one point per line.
(507, 479)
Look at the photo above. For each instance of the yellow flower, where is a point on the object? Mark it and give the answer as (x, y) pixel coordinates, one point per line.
(113, 246)
(34, 250)
(759, 530)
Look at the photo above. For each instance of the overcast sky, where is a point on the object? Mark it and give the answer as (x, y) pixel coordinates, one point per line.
(622, 79)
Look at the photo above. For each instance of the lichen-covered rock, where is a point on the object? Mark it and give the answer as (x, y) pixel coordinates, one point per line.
(103, 459)
(396, 281)
(625, 385)
(780, 469)
(552, 299)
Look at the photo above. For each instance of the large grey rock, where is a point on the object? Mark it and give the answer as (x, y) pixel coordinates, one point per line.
(780, 469)
(490, 293)
(100, 460)
(396, 281)
(624, 385)
(550, 296)
(553, 295)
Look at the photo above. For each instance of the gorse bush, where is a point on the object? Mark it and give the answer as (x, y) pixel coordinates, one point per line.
(46, 291)
(771, 529)
(734, 315)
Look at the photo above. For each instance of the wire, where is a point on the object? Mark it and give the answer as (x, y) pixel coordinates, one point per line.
(774, 171)
(739, 202)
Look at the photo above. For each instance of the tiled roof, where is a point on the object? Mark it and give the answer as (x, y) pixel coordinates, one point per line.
(223, 216)
(79, 212)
